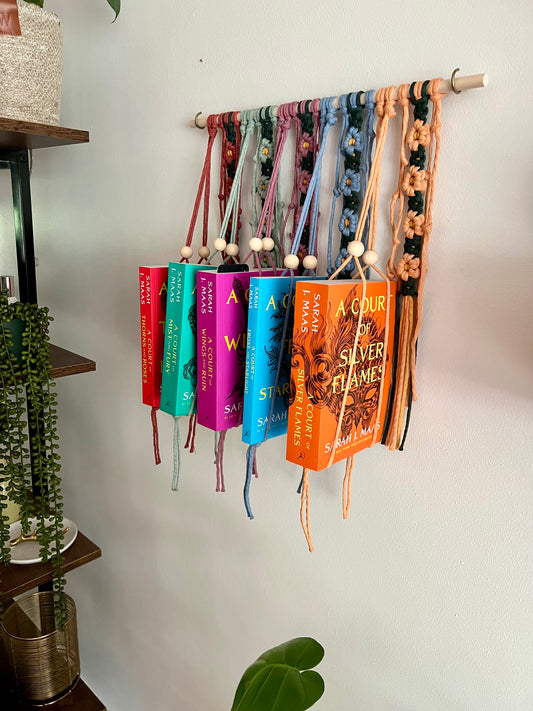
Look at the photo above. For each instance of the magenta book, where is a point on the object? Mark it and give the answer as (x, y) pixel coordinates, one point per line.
(222, 316)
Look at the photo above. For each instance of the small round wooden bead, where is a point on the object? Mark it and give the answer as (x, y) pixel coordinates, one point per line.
(268, 244)
(310, 262)
(219, 244)
(186, 252)
(204, 252)
(355, 248)
(291, 261)
(256, 244)
(370, 257)
(232, 249)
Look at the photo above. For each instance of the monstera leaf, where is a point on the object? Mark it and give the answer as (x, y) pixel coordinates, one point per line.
(281, 679)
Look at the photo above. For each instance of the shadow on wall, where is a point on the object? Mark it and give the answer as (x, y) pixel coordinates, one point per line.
(484, 317)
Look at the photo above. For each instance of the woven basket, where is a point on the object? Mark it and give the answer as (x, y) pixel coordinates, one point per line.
(31, 67)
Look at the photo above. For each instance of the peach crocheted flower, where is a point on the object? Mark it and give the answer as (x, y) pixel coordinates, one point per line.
(408, 266)
(418, 135)
(413, 224)
(414, 181)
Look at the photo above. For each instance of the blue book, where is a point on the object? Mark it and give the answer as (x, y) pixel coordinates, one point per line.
(268, 301)
(178, 385)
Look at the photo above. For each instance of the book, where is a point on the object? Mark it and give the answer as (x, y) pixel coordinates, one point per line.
(179, 377)
(267, 308)
(222, 310)
(325, 325)
(153, 300)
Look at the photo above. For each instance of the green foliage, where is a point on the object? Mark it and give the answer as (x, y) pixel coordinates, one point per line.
(282, 678)
(29, 441)
(115, 5)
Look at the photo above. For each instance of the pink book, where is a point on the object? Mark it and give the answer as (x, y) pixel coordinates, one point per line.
(222, 317)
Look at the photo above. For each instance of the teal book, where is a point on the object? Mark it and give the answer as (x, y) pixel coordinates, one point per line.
(265, 410)
(179, 379)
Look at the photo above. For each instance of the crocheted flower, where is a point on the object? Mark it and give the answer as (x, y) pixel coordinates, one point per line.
(351, 182)
(230, 152)
(408, 266)
(414, 181)
(303, 181)
(348, 222)
(353, 141)
(413, 224)
(265, 150)
(301, 252)
(418, 135)
(306, 144)
(262, 187)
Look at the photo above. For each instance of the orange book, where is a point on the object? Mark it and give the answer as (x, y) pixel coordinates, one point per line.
(326, 315)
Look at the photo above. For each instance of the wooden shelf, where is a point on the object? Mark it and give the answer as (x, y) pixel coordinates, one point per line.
(66, 363)
(19, 135)
(18, 579)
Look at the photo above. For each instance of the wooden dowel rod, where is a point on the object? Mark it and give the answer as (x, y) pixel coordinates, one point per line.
(474, 81)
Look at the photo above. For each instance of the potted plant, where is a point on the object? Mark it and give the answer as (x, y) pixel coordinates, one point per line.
(28, 435)
(31, 61)
(282, 678)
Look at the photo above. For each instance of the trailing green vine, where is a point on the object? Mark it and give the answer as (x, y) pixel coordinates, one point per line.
(29, 441)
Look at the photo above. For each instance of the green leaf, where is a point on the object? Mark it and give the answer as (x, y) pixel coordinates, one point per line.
(280, 679)
(115, 5)
(36, 2)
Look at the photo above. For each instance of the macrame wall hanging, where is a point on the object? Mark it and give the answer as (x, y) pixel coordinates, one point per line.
(261, 338)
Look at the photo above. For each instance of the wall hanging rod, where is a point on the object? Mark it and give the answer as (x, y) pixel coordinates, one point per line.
(454, 83)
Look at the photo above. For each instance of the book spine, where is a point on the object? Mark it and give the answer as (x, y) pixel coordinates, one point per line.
(188, 359)
(303, 432)
(173, 336)
(248, 417)
(147, 347)
(206, 349)
(159, 279)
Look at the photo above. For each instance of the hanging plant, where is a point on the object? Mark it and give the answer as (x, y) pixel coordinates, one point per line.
(29, 441)
(115, 4)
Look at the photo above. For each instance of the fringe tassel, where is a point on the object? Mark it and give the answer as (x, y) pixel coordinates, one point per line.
(191, 434)
(155, 436)
(177, 455)
(304, 510)
(220, 461)
(347, 488)
(250, 466)
(401, 391)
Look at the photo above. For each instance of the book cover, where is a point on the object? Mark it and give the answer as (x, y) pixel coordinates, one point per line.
(325, 326)
(222, 310)
(153, 300)
(179, 378)
(268, 302)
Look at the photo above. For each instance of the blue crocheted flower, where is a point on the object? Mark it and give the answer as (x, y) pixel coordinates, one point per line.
(348, 222)
(265, 150)
(353, 141)
(351, 182)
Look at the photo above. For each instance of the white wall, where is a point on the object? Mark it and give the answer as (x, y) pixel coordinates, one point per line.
(423, 598)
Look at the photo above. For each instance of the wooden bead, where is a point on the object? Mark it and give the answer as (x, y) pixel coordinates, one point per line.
(370, 257)
(232, 249)
(219, 244)
(256, 244)
(291, 261)
(204, 252)
(355, 248)
(186, 252)
(268, 244)
(310, 262)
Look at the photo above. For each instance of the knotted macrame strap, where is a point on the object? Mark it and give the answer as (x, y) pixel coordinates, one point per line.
(385, 110)
(203, 187)
(417, 183)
